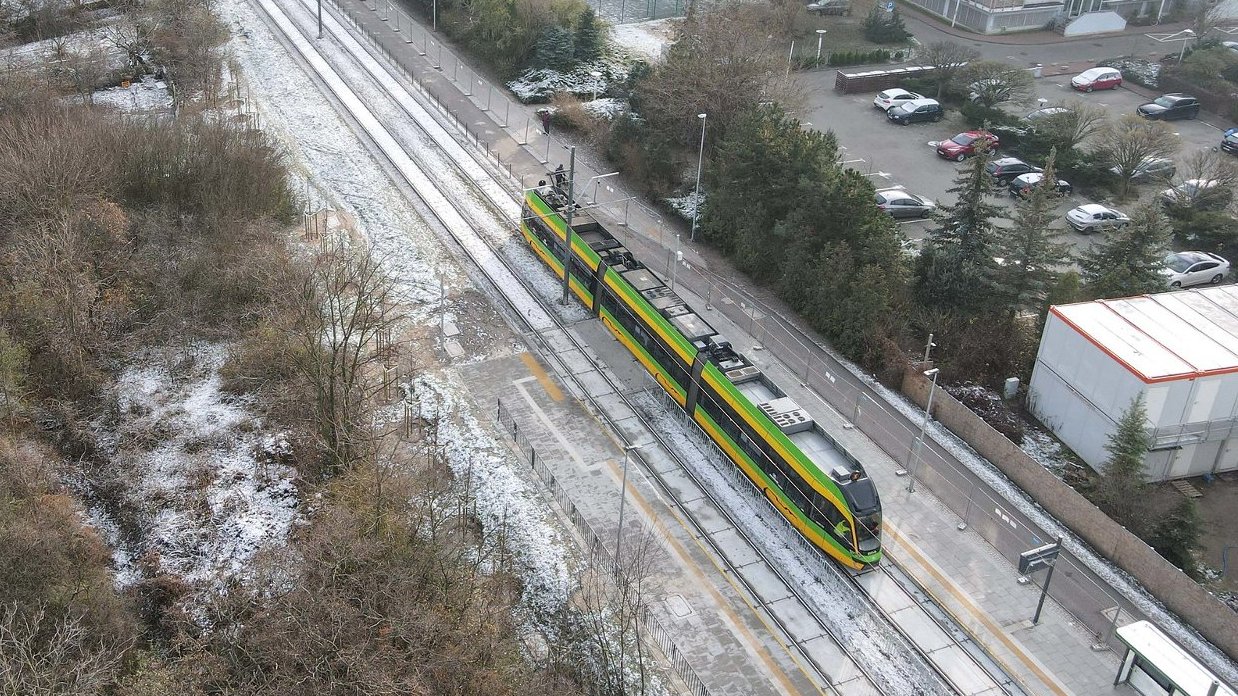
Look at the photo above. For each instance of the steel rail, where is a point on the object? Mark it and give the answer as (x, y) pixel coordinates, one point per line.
(547, 351)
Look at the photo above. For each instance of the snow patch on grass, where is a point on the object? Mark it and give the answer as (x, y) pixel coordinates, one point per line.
(200, 483)
(645, 41)
(147, 96)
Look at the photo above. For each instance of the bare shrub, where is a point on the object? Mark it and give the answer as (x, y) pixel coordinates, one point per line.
(45, 656)
(50, 565)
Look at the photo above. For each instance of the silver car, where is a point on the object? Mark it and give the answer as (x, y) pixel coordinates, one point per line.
(900, 204)
(1150, 169)
(1091, 218)
(1194, 267)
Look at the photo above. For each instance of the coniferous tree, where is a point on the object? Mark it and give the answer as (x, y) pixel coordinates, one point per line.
(554, 49)
(1129, 262)
(1030, 253)
(885, 27)
(1119, 491)
(955, 267)
(786, 212)
(587, 40)
(1176, 535)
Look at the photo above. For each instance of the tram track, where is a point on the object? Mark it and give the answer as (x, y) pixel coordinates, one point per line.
(546, 329)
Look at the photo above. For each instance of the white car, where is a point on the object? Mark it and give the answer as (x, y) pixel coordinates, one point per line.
(1194, 267)
(893, 97)
(1091, 218)
(1195, 192)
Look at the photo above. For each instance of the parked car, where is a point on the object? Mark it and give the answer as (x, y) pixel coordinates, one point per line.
(1150, 169)
(1092, 217)
(893, 97)
(830, 7)
(961, 146)
(1185, 268)
(1097, 78)
(1023, 184)
(1229, 141)
(1170, 107)
(915, 111)
(1203, 193)
(1046, 112)
(900, 204)
(1007, 168)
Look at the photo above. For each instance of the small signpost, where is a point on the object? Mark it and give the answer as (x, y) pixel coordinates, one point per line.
(1037, 559)
(890, 6)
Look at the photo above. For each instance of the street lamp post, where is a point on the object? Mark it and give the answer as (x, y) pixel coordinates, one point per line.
(913, 458)
(567, 234)
(623, 497)
(1187, 35)
(820, 36)
(597, 182)
(596, 76)
(320, 19)
(696, 198)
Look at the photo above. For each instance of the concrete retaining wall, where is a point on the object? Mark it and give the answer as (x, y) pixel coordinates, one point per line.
(1171, 586)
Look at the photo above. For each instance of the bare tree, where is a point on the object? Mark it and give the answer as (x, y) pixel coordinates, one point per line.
(993, 82)
(947, 59)
(1204, 16)
(1132, 141)
(723, 64)
(344, 313)
(1067, 129)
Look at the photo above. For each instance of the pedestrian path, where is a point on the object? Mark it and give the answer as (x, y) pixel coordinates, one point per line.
(962, 573)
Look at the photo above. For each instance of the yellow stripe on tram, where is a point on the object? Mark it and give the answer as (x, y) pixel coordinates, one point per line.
(794, 459)
(639, 308)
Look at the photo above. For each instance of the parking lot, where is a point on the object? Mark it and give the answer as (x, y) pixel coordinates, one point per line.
(905, 156)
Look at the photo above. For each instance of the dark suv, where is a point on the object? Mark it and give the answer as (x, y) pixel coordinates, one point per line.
(1004, 170)
(1170, 107)
(915, 111)
(1229, 141)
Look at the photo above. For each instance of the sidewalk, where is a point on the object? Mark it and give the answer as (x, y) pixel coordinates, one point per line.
(965, 575)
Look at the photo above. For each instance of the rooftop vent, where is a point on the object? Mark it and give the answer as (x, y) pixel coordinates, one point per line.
(787, 415)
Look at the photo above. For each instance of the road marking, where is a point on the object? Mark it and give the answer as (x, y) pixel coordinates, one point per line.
(970, 605)
(552, 390)
(545, 420)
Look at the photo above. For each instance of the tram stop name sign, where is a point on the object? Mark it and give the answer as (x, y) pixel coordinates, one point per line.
(1038, 558)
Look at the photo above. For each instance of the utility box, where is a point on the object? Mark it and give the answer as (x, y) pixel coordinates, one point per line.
(1177, 349)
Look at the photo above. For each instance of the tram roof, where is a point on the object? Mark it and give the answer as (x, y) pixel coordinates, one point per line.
(1165, 336)
(1178, 666)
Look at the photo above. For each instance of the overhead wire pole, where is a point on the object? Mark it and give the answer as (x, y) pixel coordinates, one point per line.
(567, 234)
(320, 19)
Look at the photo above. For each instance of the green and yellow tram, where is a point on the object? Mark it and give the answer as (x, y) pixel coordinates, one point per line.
(803, 472)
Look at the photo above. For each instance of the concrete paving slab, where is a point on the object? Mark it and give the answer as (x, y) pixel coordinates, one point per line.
(885, 592)
(921, 629)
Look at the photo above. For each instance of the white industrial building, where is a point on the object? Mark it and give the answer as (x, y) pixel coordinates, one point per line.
(1178, 349)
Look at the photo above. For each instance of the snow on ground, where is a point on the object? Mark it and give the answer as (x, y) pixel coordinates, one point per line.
(89, 41)
(202, 484)
(628, 43)
(504, 498)
(326, 149)
(645, 41)
(687, 204)
(146, 96)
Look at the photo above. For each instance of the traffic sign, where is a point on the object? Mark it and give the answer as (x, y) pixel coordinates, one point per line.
(1038, 558)
(890, 6)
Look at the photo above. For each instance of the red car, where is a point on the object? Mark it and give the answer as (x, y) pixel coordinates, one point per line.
(1097, 78)
(962, 145)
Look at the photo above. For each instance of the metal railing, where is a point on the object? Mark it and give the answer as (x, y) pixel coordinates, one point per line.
(648, 625)
(811, 362)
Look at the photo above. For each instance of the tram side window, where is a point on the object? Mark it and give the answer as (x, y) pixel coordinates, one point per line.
(823, 513)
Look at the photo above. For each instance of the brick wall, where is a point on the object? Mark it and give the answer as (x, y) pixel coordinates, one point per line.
(1171, 586)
